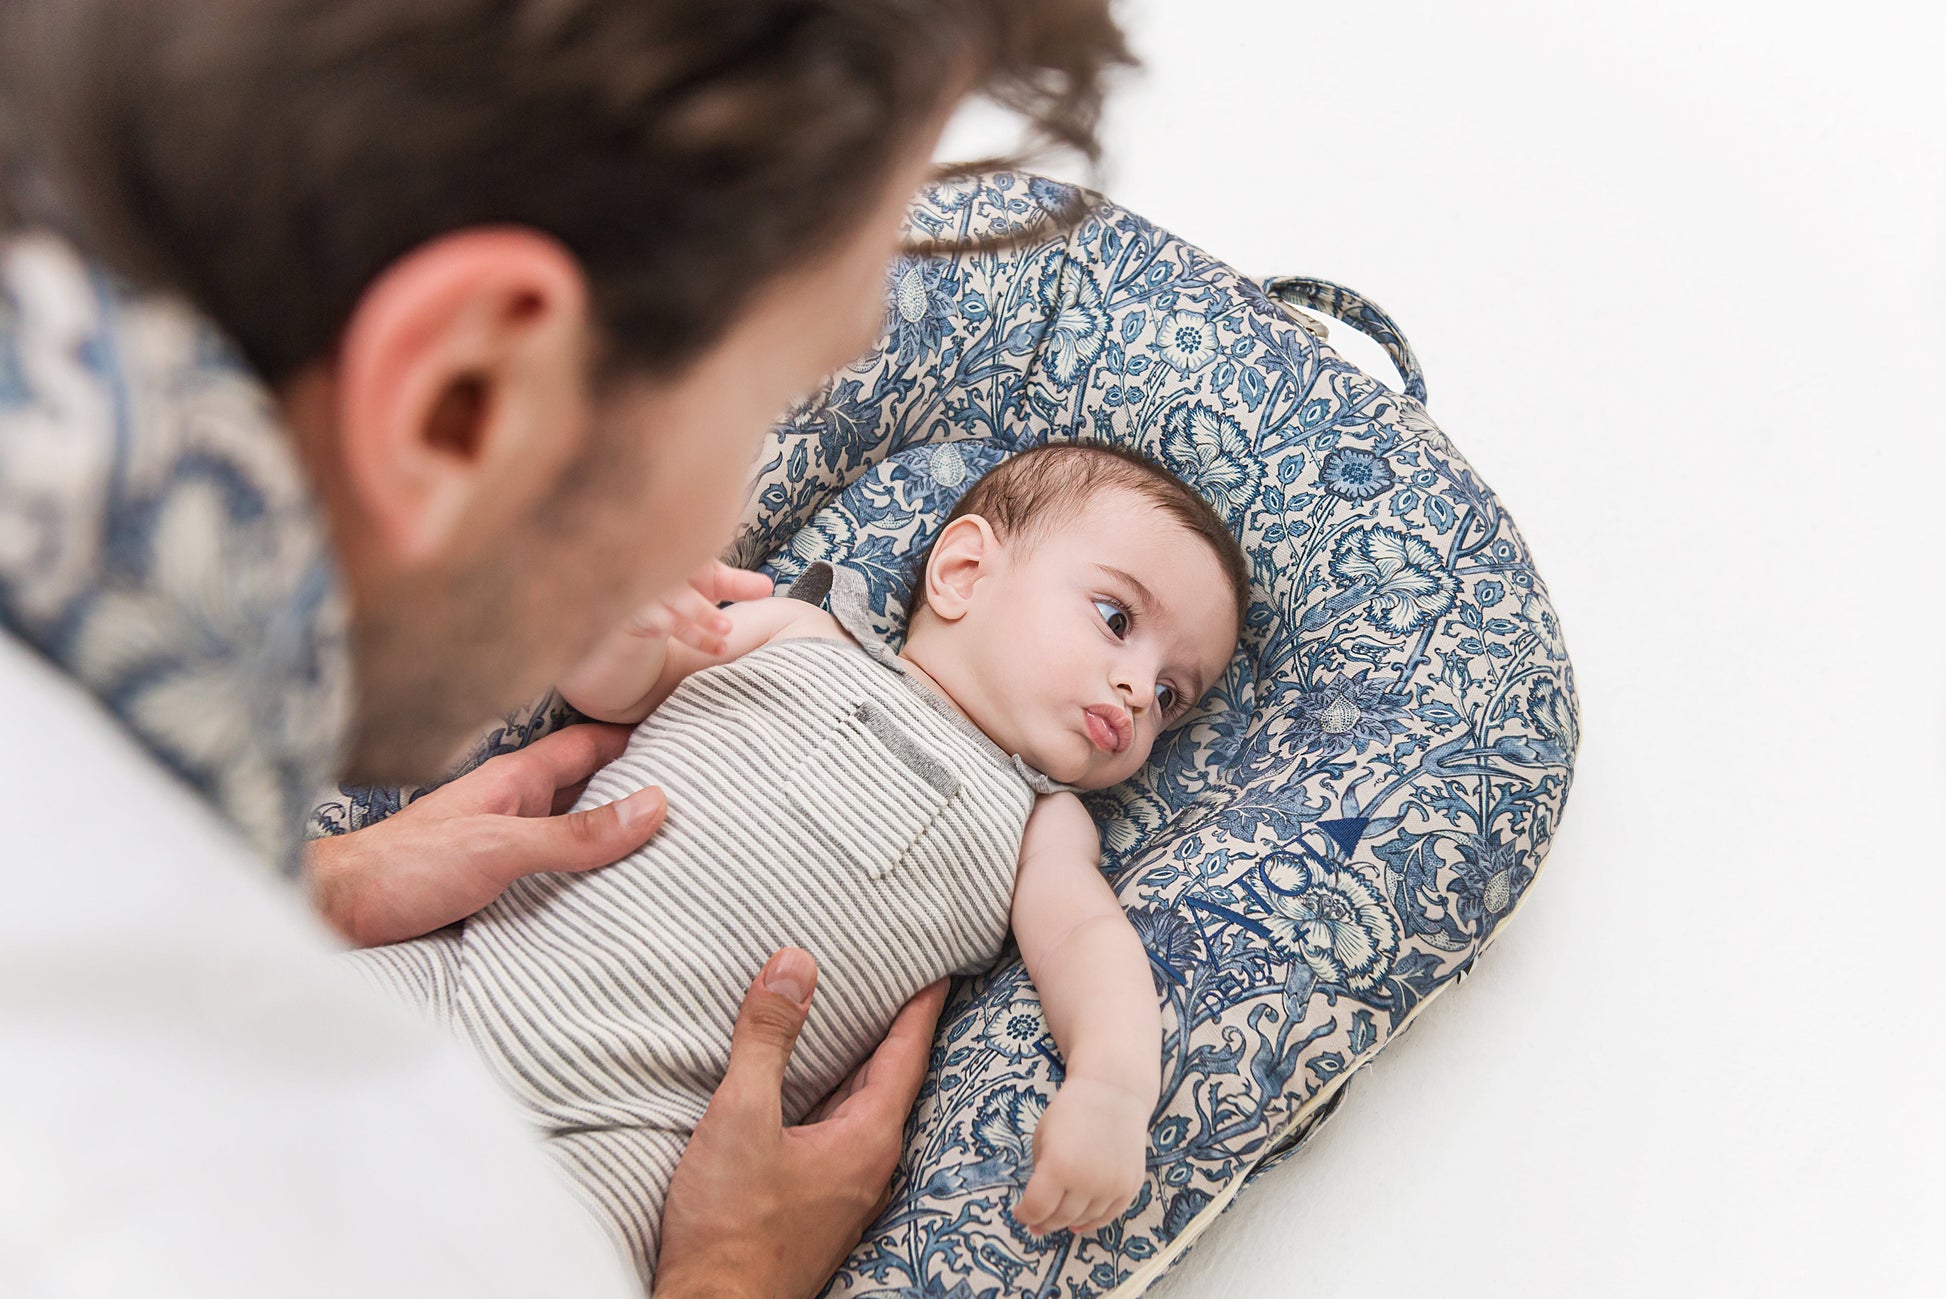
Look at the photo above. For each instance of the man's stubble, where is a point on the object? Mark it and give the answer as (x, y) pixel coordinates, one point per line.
(443, 652)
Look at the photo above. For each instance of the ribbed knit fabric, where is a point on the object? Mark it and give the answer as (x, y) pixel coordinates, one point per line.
(819, 797)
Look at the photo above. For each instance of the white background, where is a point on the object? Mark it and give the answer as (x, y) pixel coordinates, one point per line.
(1677, 274)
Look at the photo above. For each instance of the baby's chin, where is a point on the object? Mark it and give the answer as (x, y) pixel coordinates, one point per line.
(1089, 768)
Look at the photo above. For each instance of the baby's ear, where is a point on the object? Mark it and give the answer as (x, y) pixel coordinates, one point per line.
(962, 555)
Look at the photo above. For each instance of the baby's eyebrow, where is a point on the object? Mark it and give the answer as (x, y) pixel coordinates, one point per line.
(1142, 593)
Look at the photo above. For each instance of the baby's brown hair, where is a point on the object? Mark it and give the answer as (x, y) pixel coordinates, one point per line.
(1032, 492)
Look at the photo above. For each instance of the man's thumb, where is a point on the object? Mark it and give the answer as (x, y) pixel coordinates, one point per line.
(773, 1012)
(580, 841)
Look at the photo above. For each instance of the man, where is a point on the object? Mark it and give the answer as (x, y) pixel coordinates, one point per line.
(516, 285)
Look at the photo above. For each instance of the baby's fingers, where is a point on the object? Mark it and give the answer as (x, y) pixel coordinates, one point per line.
(1099, 1213)
(651, 620)
(1060, 1217)
(720, 582)
(1084, 1211)
(698, 622)
(1039, 1200)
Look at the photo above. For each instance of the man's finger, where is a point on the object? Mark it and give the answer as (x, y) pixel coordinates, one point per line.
(566, 797)
(772, 1015)
(839, 1094)
(583, 840)
(554, 762)
(898, 1067)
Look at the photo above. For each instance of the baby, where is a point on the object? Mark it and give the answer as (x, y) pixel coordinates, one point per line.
(891, 813)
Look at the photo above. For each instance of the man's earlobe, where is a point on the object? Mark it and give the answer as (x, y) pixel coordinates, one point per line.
(461, 388)
(960, 558)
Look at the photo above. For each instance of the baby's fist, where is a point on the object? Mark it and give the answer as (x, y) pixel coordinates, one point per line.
(1090, 1152)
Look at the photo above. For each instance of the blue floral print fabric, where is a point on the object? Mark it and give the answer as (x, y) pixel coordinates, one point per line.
(1339, 829)
(1334, 834)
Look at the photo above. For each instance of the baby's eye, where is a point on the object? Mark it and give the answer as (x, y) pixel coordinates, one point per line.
(1115, 616)
(1166, 698)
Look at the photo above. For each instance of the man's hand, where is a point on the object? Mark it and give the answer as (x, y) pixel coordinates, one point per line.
(760, 1210)
(444, 857)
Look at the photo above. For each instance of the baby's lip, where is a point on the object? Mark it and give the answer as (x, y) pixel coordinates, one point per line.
(1109, 728)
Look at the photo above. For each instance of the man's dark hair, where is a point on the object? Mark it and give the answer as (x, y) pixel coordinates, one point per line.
(1030, 494)
(269, 158)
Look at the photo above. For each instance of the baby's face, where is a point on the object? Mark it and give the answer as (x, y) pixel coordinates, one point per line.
(1079, 652)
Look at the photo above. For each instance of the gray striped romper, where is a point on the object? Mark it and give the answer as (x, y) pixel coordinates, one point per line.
(818, 797)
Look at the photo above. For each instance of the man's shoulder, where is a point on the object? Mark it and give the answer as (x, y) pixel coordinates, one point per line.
(178, 1037)
(80, 758)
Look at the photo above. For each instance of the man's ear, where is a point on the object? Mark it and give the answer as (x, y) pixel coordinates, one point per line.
(963, 554)
(461, 388)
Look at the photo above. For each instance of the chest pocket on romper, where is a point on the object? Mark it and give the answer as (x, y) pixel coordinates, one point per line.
(870, 788)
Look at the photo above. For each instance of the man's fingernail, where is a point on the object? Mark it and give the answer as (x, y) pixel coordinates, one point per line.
(789, 975)
(637, 808)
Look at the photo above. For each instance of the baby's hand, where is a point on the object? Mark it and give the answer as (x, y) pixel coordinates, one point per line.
(1090, 1151)
(689, 614)
(614, 681)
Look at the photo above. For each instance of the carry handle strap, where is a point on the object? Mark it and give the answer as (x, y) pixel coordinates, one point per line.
(1362, 314)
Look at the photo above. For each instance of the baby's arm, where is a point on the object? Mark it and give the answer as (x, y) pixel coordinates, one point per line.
(632, 670)
(1093, 976)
